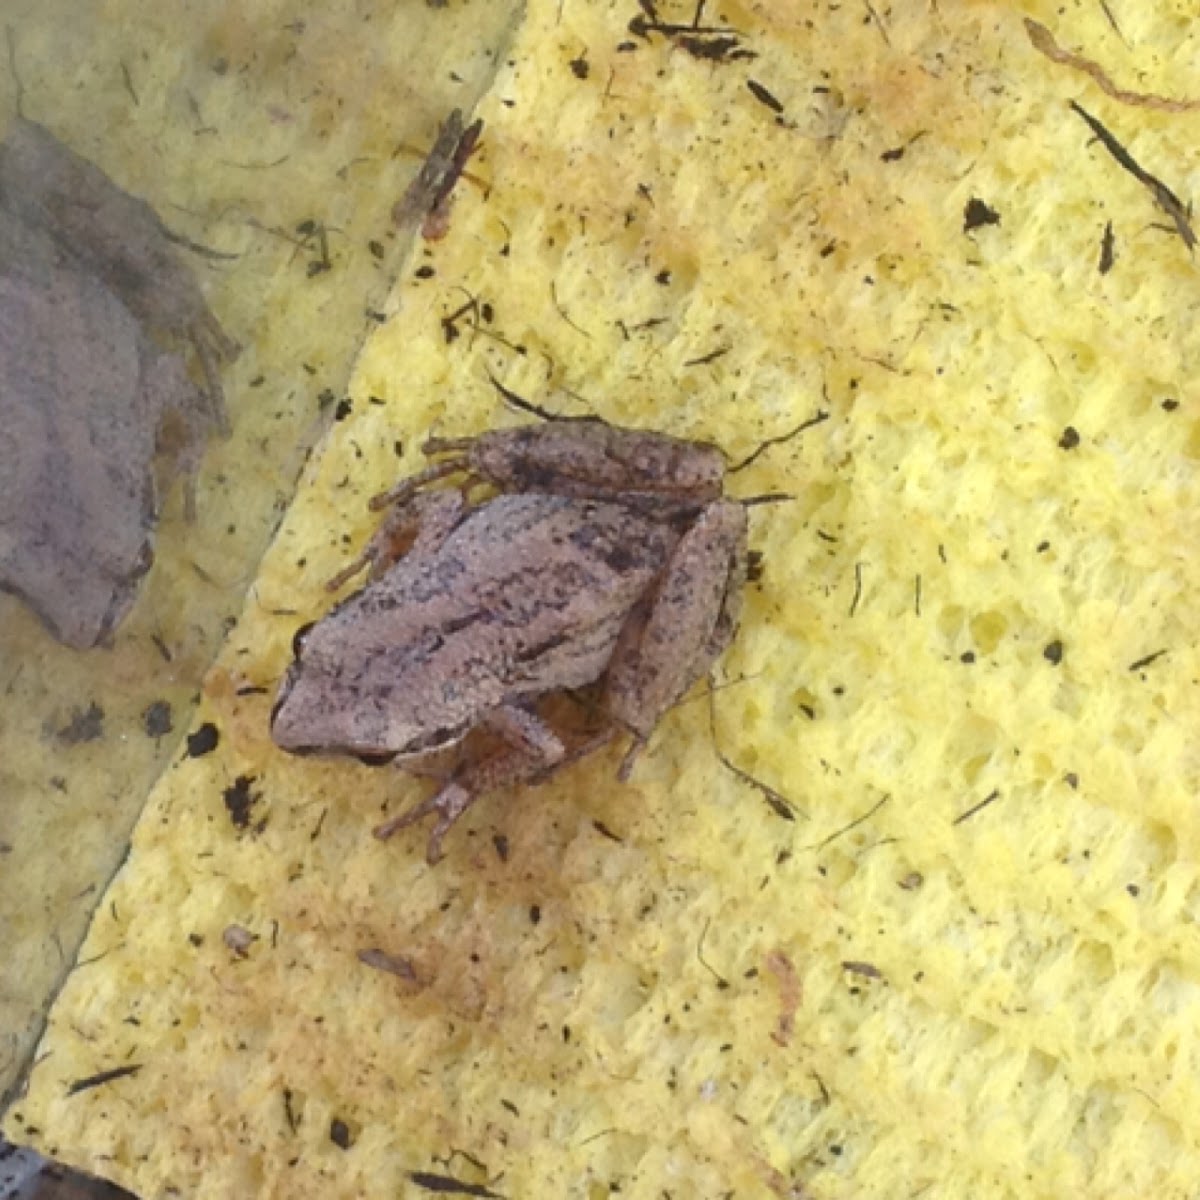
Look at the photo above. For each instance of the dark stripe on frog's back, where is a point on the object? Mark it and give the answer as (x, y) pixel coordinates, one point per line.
(538, 554)
(517, 587)
(507, 550)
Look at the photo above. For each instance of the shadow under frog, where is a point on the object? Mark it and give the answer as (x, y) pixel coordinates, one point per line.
(98, 410)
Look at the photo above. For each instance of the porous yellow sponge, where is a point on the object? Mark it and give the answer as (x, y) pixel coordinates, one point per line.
(968, 964)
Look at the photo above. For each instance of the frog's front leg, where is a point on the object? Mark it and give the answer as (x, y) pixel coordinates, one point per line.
(672, 639)
(418, 525)
(532, 749)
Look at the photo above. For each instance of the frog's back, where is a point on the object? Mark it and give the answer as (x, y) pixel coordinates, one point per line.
(527, 595)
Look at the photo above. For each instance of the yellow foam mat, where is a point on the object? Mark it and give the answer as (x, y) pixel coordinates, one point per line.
(969, 965)
(242, 128)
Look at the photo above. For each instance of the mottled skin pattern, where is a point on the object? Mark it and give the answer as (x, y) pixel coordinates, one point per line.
(608, 558)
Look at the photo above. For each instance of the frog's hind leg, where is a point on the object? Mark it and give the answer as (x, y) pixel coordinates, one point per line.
(671, 640)
(532, 750)
(419, 526)
(458, 463)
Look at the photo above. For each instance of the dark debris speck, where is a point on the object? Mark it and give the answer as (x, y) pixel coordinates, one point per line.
(977, 214)
(339, 1134)
(240, 799)
(157, 719)
(203, 741)
(84, 725)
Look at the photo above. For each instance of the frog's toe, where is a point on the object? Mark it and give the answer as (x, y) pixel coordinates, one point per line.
(631, 756)
(449, 803)
(404, 819)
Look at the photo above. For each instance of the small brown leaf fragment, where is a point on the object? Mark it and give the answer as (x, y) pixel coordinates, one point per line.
(711, 356)
(719, 49)
(763, 96)
(865, 969)
(1145, 662)
(1107, 250)
(429, 195)
(393, 964)
(448, 1185)
(790, 992)
(91, 1081)
(604, 831)
(1163, 196)
(1043, 41)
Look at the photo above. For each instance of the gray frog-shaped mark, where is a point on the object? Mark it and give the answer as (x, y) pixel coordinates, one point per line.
(611, 557)
(98, 412)
(120, 240)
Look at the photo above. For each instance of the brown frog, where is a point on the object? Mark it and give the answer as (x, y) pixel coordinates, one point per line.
(609, 558)
(97, 409)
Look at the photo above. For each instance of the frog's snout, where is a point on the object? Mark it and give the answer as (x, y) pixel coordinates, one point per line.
(284, 720)
(279, 721)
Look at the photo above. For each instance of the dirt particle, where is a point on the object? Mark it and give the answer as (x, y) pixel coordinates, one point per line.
(977, 214)
(157, 720)
(203, 741)
(240, 799)
(84, 725)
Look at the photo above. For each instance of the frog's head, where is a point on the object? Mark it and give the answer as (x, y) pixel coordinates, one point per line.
(330, 704)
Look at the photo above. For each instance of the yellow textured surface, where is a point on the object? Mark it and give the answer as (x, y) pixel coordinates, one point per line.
(237, 126)
(984, 915)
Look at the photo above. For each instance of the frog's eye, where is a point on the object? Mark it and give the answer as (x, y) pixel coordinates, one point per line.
(298, 638)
